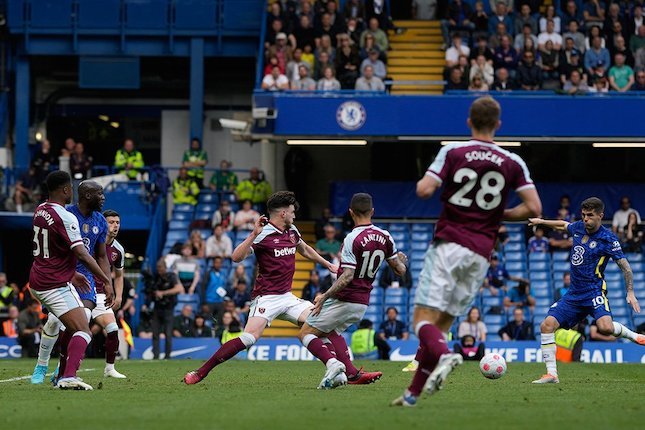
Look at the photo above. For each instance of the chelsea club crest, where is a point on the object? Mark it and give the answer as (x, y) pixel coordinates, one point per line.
(351, 115)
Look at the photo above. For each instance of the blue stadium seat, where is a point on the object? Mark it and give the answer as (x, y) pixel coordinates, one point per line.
(613, 276)
(205, 232)
(538, 256)
(538, 265)
(203, 216)
(178, 225)
(619, 312)
(540, 285)
(208, 197)
(515, 266)
(639, 276)
(638, 320)
(399, 236)
(177, 236)
(182, 216)
(421, 236)
(515, 228)
(419, 246)
(515, 256)
(516, 237)
(494, 319)
(398, 227)
(422, 227)
(561, 266)
(514, 247)
(541, 292)
(634, 257)
(615, 292)
(184, 208)
(396, 292)
(206, 207)
(417, 255)
(612, 268)
(560, 256)
(539, 276)
(543, 302)
(416, 265)
(637, 266)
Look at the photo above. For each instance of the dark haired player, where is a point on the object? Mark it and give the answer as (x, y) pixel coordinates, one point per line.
(274, 241)
(477, 178)
(102, 314)
(57, 249)
(93, 230)
(593, 246)
(363, 251)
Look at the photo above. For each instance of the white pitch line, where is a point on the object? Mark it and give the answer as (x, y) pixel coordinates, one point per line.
(20, 378)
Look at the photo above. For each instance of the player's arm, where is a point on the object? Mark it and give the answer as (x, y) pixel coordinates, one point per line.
(531, 206)
(196, 278)
(104, 263)
(629, 283)
(89, 262)
(427, 186)
(309, 253)
(341, 282)
(118, 288)
(243, 250)
(556, 224)
(398, 263)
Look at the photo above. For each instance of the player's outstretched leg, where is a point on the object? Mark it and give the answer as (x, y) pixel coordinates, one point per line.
(111, 349)
(354, 376)
(323, 351)
(47, 343)
(622, 331)
(227, 351)
(435, 364)
(547, 339)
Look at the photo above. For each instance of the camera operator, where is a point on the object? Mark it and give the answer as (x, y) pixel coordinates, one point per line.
(163, 292)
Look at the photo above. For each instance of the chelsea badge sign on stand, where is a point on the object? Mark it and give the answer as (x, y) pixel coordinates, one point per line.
(351, 115)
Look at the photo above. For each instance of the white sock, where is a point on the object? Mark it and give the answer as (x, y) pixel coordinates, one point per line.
(45, 350)
(19, 209)
(548, 353)
(49, 336)
(622, 331)
(109, 366)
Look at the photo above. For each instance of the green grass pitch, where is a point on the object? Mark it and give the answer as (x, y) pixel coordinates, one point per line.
(283, 395)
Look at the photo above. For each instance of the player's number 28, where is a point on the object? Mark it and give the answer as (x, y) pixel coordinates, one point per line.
(491, 184)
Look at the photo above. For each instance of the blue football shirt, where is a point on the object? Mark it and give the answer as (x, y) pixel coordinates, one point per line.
(590, 254)
(94, 231)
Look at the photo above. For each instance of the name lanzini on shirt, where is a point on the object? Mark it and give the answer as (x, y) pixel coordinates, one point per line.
(373, 237)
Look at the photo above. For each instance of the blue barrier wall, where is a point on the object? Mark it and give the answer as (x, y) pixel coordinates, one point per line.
(537, 116)
(290, 349)
(406, 204)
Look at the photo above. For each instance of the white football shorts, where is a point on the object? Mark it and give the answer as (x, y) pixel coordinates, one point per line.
(59, 300)
(337, 315)
(100, 308)
(285, 307)
(450, 278)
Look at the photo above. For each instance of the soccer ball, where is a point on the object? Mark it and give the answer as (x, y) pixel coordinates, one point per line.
(492, 366)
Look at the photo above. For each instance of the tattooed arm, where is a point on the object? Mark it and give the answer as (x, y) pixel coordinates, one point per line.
(629, 283)
(341, 282)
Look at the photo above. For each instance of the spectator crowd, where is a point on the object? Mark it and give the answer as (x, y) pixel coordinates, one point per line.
(317, 45)
(581, 47)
